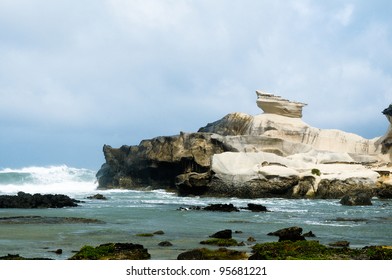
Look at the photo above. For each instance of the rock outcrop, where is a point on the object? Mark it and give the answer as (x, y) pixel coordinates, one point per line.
(26, 200)
(274, 154)
(272, 104)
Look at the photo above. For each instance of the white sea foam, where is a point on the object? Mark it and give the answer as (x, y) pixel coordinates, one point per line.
(51, 179)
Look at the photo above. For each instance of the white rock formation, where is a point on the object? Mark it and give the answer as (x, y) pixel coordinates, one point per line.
(273, 104)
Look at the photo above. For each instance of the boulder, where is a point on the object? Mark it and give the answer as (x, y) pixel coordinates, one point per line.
(291, 234)
(223, 234)
(359, 198)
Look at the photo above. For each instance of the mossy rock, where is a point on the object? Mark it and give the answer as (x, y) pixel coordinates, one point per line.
(206, 254)
(112, 251)
(313, 250)
(222, 242)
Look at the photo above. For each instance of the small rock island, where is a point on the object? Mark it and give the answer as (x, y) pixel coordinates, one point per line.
(272, 154)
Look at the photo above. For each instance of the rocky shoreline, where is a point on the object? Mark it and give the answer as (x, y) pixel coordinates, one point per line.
(274, 154)
(292, 245)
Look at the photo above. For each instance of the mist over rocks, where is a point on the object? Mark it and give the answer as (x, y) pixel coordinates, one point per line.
(272, 154)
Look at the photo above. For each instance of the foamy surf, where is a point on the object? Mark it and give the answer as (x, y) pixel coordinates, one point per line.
(52, 179)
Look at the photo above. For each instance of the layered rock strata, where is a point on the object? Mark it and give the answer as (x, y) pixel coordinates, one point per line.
(274, 154)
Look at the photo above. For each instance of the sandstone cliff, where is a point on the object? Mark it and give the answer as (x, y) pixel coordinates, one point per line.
(274, 154)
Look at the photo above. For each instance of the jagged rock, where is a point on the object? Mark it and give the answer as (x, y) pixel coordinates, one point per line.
(291, 233)
(273, 104)
(25, 200)
(157, 162)
(221, 208)
(256, 207)
(223, 234)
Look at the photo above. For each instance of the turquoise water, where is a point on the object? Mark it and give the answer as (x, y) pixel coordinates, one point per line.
(128, 213)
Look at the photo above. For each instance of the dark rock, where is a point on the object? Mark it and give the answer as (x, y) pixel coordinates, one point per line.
(256, 207)
(340, 244)
(291, 233)
(309, 234)
(357, 199)
(157, 162)
(384, 192)
(97, 196)
(356, 220)
(223, 234)
(388, 111)
(159, 232)
(25, 200)
(221, 208)
(165, 244)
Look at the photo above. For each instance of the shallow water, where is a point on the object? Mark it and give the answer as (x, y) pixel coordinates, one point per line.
(128, 213)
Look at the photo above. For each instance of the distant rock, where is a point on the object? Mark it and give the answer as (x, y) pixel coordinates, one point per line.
(97, 196)
(165, 244)
(256, 207)
(25, 200)
(221, 208)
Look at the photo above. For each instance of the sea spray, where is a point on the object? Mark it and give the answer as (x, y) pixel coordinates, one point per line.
(51, 179)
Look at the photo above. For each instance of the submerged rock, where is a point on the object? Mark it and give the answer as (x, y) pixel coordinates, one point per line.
(47, 220)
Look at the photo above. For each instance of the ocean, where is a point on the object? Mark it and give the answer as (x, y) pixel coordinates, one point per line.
(127, 213)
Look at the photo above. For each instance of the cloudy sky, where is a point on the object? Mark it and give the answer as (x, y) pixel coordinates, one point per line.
(75, 75)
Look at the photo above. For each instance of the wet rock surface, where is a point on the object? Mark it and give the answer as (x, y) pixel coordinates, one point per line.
(25, 200)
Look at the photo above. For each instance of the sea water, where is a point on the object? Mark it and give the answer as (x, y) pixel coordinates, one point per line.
(127, 213)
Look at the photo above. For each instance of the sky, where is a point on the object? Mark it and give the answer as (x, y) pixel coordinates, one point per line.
(75, 75)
